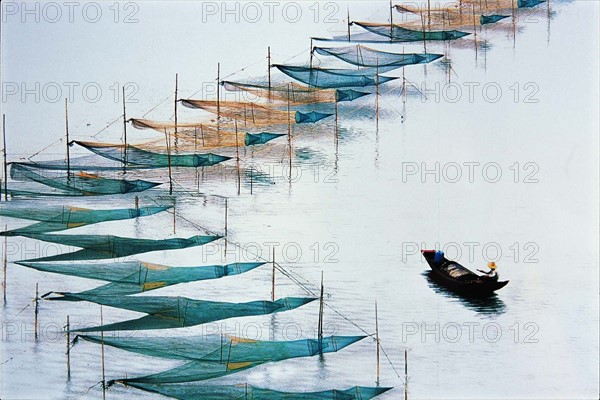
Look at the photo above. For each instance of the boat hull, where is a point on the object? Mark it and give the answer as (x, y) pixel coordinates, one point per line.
(474, 285)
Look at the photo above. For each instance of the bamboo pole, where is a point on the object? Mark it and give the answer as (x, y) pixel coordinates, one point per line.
(218, 91)
(377, 341)
(226, 211)
(174, 214)
(391, 21)
(273, 278)
(429, 14)
(124, 131)
(320, 327)
(377, 92)
(4, 155)
(406, 373)
(68, 349)
(474, 31)
(67, 133)
(36, 311)
(269, 66)
(424, 33)
(289, 131)
(4, 265)
(168, 141)
(348, 10)
(176, 84)
(251, 179)
(237, 159)
(102, 342)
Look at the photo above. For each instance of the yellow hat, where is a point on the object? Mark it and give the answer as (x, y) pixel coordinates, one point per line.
(492, 265)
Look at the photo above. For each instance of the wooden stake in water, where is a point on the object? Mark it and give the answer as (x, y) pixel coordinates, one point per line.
(320, 327)
(176, 84)
(4, 265)
(269, 68)
(424, 33)
(377, 92)
(102, 342)
(391, 21)
(474, 32)
(289, 130)
(237, 159)
(218, 91)
(36, 311)
(377, 341)
(226, 210)
(4, 155)
(168, 141)
(405, 374)
(68, 327)
(273, 278)
(174, 214)
(67, 134)
(124, 132)
(348, 10)
(251, 179)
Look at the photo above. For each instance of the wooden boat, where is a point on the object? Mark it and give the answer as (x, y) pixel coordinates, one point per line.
(458, 278)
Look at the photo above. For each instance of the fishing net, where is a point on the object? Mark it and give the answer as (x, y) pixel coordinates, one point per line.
(401, 34)
(245, 354)
(129, 154)
(66, 217)
(242, 111)
(224, 349)
(78, 183)
(178, 312)
(247, 392)
(131, 277)
(296, 94)
(367, 57)
(336, 78)
(96, 247)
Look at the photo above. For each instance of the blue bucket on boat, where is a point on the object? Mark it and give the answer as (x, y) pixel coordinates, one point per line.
(438, 257)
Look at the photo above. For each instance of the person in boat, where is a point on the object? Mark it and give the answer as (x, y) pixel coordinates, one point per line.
(492, 274)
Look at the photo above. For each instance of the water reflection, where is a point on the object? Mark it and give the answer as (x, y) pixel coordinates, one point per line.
(490, 305)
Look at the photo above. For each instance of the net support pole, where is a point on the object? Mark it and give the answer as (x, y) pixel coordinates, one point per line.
(4, 155)
(174, 215)
(474, 31)
(311, 53)
(102, 352)
(124, 131)
(429, 14)
(226, 211)
(289, 131)
(377, 92)
(405, 374)
(391, 21)
(424, 33)
(377, 342)
(67, 134)
(348, 10)
(269, 68)
(4, 270)
(218, 91)
(68, 328)
(273, 277)
(237, 160)
(168, 140)
(320, 327)
(176, 84)
(36, 311)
